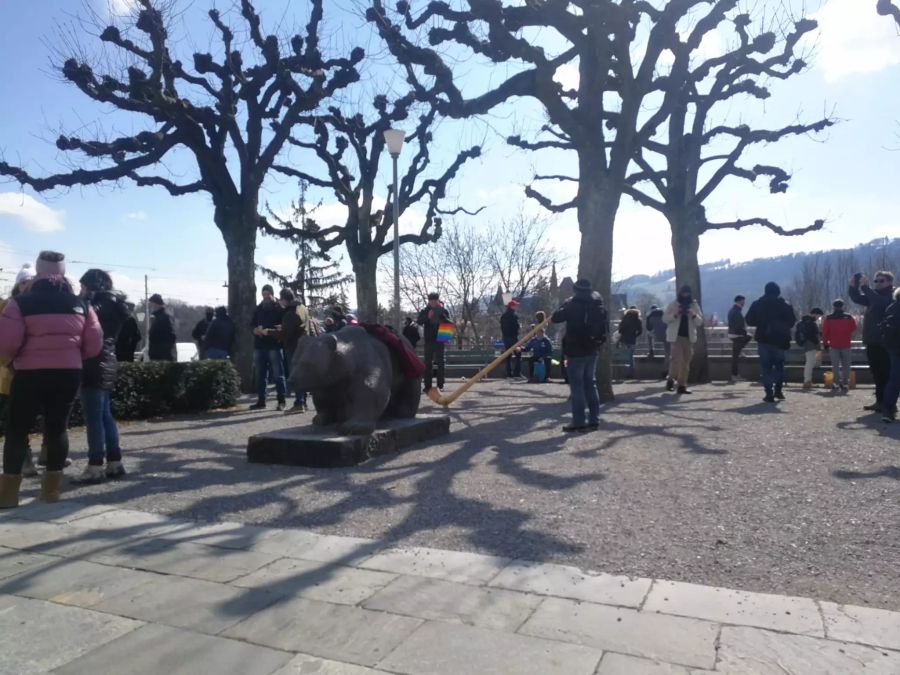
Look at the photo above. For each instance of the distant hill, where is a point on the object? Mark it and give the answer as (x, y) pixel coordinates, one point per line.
(805, 278)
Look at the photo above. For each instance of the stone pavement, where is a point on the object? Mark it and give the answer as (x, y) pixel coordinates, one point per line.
(93, 589)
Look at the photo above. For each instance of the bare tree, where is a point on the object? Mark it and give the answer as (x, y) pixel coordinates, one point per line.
(677, 175)
(520, 253)
(231, 114)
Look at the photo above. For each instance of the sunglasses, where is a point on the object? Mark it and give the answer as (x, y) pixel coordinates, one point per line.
(880, 281)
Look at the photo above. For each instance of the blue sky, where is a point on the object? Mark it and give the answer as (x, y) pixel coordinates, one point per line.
(849, 178)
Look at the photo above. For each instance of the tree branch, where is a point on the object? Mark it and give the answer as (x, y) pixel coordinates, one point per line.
(764, 222)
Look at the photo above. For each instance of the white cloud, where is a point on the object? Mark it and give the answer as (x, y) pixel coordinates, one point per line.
(854, 39)
(31, 213)
(117, 8)
(139, 216)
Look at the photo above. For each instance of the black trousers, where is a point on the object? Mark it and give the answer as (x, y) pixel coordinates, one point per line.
(51, 391)
(514, 360)
(880, 364)
(434, 356)
(737, 346)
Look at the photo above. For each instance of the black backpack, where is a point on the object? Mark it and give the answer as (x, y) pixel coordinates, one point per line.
(800, 334)
(597, 322)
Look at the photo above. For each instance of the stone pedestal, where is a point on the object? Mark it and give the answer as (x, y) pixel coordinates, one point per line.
(318, 447)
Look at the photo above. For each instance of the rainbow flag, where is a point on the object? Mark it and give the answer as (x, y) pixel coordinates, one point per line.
(445, 332)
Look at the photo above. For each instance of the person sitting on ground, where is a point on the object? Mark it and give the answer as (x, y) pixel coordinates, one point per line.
(199, 332)
(161, 338)
(541, 353)
(808, 337)
(219, 337)
(430, 318)
(774, 320)
(630, 329)
(683, 318)
(837, 338)
(411, 331)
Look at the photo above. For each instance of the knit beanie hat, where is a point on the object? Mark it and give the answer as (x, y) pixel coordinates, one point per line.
(50, 263)
(25, 274)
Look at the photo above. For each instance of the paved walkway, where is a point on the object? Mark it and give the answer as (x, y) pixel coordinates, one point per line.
(91, 589)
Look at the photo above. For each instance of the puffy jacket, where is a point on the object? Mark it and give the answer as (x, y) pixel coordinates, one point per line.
(128, 341)
(630, 327)
(656, 325)
(811, 334)
(48, 327)
(161, 338)
(774, 318)
(837, 330)
(5, 372)
(672, 317)
(736, 324)
(294, 325)
(509, 325)
(540, 347)
(100, 371)
(875, 302)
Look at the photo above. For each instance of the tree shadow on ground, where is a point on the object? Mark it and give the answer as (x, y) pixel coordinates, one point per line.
(889, 471)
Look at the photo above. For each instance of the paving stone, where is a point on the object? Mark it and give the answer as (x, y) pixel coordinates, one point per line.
(570, 582)
(13, 562)
(128, 523)
(75, 582)
(26, 534)
(304, 664)
(183, 559)
(318, 581)
(197, 605)
(318, 547)
(450, 649)
(336, 632)
(763, 610)
(156, 649)
(862, 624)
(58, 512)
(688, 642)
(620, 664)
(221, 535)
(754, 651)
(431, 562)
(39, 636)
(438, 600)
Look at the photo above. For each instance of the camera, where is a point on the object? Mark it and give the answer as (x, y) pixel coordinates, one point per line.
(857, 277)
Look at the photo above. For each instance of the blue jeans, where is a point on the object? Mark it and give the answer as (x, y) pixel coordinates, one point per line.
(583, 385)
(892, 388)
(771, 364)
(102, 433)
(266, 360)
(214, 354)
(629, 358)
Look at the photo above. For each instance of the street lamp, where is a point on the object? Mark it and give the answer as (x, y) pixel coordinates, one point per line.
(394, 139)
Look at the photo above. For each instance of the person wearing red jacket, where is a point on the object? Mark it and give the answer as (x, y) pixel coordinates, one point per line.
(46, 334)
(837, 334)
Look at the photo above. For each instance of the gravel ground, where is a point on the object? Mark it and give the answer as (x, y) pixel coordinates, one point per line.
(717, 488)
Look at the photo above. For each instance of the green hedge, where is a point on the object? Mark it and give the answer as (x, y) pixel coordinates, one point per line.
(158, 388)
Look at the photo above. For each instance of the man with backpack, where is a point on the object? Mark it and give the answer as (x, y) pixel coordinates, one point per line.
(586, 330)
(875, 300)
(889, 328)
(683, 318)
(773, 318)
(807, 337)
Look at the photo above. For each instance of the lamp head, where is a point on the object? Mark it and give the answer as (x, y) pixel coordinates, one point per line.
(394, 139)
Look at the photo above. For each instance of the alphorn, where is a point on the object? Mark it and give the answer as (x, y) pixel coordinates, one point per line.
(446, 400)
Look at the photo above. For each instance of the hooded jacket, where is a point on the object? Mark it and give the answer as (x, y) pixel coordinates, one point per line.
(876, 302)
(48, 327)
(630, 327)
(656, 325)
(737, 327)
(294, 325)
(773, 317)
(577, 341)
(811, 334)
(161, 338)
(112, 312)
(509, 325)
(837, 330)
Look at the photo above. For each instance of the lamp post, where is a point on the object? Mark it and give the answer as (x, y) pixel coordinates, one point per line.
(394, 139)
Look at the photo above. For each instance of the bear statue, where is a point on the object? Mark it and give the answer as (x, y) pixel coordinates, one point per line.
(355, 379)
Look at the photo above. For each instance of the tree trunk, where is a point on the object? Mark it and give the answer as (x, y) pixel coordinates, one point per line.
(239, 234)
(365, 270)
(685, 244)
(597, 208)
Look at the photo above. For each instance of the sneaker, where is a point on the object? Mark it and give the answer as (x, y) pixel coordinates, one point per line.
(779, 394)
(873, 407)
(569, 428)
(92, 474)
(684, 390)
(769, 398)
(296, 408)
(845, 389)
(670, 384)
(281, 406)
(889, 416)
(259, 405)
(115, 470)
(593, 426)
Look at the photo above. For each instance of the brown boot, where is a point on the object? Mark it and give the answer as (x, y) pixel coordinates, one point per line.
(9, 490)
(51, 481)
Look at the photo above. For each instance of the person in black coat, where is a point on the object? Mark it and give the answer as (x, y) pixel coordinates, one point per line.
(219, 337)
(98, 379)
(630, 329)
(876, 301)
(266, 325)
(430, 318)
(129, 337)
(411, 331)
(509, 331)
(737, 333)
(200, 331)
(161, 338)
(774, 320)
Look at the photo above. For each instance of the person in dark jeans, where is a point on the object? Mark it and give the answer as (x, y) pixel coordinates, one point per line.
(737, 333)
(509, 331)
(579, 314)
(876, 301)
(773, 318)
(630, 329)
(267, 355)
(430, 318)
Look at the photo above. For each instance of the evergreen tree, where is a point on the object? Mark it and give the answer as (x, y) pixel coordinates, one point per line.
(319, 281)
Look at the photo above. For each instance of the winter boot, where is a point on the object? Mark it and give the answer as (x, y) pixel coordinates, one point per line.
(92, 474)
(114, 469)
(779, 394)
(51, 482)
(9, 490)
(807, 385)
(769, 397)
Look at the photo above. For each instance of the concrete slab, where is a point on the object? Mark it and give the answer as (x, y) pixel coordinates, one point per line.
(437, 600)
(26, 534)
(336, 632)
(459, 566)
(129, 523)
(59, 512)
(754, 651)
(221, 535)
(313, 446)
(317, 547)
(723, 605)
(620, 664)
(317, 581)
(39, 636)
(197, 605)
(13, 562)
(673, 639)
(304, 664)
(155, 649)
(449, 649)
(865, 625)
(570, 582)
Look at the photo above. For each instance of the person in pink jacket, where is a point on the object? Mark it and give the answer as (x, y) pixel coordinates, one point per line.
(45, 335)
